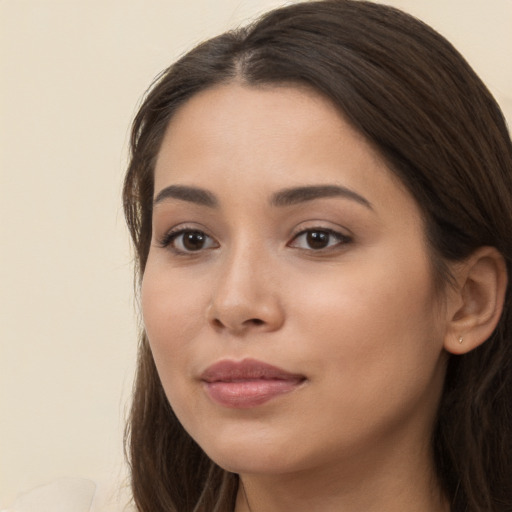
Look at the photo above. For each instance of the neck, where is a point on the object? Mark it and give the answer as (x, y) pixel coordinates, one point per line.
(372, 484)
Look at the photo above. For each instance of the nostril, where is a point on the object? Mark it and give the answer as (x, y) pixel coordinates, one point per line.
(254, 321)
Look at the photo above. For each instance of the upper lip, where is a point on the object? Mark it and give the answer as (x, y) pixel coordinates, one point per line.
(247, 369)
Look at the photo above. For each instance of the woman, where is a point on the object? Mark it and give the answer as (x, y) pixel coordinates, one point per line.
(321, 206)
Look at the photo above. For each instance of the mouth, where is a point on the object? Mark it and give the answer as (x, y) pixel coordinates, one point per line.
(247, 383)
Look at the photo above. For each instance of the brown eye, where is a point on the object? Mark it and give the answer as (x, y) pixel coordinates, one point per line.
(318, 239)
(194, 240)
(188, 241)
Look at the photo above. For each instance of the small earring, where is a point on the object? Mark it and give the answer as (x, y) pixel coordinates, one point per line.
(461, 339)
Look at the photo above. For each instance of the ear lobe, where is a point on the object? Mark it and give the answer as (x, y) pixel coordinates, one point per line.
(476, 305)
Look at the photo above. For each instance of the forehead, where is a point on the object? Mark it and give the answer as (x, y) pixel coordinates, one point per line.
(244, 138)
(270, 126)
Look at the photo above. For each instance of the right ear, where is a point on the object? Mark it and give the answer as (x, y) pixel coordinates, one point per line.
(476, 304)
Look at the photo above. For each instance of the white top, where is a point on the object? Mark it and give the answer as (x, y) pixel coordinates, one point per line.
(74, 495)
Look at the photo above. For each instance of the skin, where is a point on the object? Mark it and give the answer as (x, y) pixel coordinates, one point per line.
(360, 319)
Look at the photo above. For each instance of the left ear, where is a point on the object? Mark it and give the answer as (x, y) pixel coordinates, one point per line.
(476, 303)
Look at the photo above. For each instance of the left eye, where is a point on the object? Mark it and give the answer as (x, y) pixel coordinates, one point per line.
(190, 240)
(318, 239)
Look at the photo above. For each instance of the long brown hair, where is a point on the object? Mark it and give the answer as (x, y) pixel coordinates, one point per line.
(413, 96)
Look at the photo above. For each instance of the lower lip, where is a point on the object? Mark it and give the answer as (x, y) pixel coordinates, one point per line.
(249, 393)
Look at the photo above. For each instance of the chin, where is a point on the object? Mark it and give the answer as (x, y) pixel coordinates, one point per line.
(250, 462)
(252, 454)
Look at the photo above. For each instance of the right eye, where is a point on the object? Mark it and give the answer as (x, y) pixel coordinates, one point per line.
(188, 241)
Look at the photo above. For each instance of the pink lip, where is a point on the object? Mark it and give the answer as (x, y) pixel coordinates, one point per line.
(247, 383)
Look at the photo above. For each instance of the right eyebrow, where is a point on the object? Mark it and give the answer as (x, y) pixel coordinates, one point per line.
(291, 196)
(186, 193)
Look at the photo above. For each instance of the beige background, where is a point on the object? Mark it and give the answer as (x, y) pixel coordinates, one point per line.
(72, 73)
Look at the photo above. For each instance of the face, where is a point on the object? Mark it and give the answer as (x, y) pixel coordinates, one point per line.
(288, 295)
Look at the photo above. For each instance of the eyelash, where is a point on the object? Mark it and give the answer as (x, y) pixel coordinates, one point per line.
(169, 239)
(340, 238)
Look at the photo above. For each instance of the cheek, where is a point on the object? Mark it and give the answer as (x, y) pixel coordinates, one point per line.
(374, 323)
(368, 299)
(373, 348)
(173, 313)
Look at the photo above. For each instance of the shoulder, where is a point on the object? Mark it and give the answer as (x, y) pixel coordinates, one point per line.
(74, 495)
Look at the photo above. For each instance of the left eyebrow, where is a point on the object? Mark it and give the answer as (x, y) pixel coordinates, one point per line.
(185, 193)
(292, 196)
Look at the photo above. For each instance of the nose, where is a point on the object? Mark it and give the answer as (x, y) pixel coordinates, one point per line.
(246, 297)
